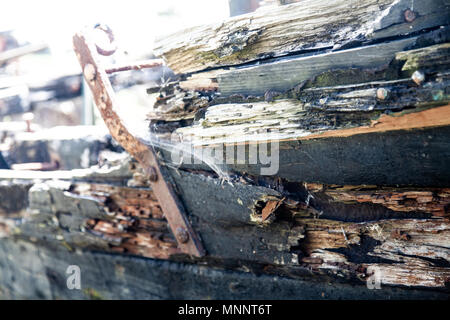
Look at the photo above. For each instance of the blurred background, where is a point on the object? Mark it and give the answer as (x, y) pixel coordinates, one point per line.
(47, 119)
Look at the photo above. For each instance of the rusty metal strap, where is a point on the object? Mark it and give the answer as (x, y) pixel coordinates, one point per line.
(103, 94)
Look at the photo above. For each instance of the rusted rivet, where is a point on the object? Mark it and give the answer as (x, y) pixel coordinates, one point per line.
(382, 93)
(410, 15)
(418, 77)
(182, 235)
(152, 174)
(89, 72)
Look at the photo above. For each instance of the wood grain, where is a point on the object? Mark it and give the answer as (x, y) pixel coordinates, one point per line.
(307, 25)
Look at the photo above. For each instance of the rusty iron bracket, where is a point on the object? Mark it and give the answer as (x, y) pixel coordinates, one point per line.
(97, 78)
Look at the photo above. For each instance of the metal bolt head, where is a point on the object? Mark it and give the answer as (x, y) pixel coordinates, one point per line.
(382, 93)
(418, 77)
(89, 72)
(152, 174)
(410, 15)
(323, 100)
(182, 235)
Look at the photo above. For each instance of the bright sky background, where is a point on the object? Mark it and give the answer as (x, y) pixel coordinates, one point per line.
(134, 22)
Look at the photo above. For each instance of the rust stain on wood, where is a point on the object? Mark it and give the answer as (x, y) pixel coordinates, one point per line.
(434, 117)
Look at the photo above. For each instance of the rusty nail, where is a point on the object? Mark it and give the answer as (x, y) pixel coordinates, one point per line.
(152, 174)
(410, 15)
(182, 235)
(382, 93)
(418, 77)
(89, 72)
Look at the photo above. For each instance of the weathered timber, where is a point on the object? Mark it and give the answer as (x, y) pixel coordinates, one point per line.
(401, 157)
(335, 232)
(287, 74)
(102, 217)
(384, 156)
(433, 202)
(136, 278)
(92, 209)
(208, 80)
(325, 111)
(342, 248)
(174, 103)
(308, 25)
(339, 115)
(355, 73)
(355, 95)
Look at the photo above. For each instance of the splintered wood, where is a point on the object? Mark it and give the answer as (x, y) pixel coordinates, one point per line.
(307, 25)
(356, 94)
(137, 225)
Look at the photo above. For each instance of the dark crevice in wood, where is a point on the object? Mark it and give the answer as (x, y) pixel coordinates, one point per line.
(360, 253)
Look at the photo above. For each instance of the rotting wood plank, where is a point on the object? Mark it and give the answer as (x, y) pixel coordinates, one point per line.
(100, 217)
(399, 157)
(290, 121)
(308, 25)
(403, 157)
(135, 278)
(341, 231)
(317, 78)
(286, 74)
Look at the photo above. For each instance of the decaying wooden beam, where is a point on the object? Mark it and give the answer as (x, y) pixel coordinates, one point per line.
(398, 157)
(378, 77)
(354, 94)
(287, 74)
(136, 278)
(307, 25)
(220, 127)
(332, 231)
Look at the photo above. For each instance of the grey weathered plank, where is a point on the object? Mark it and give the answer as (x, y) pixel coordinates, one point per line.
(40, 273)
(300, 26)
(400, 157)
(296, 239)
(286, 74)
(361, 67)
(228, 217)
(314, 110)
